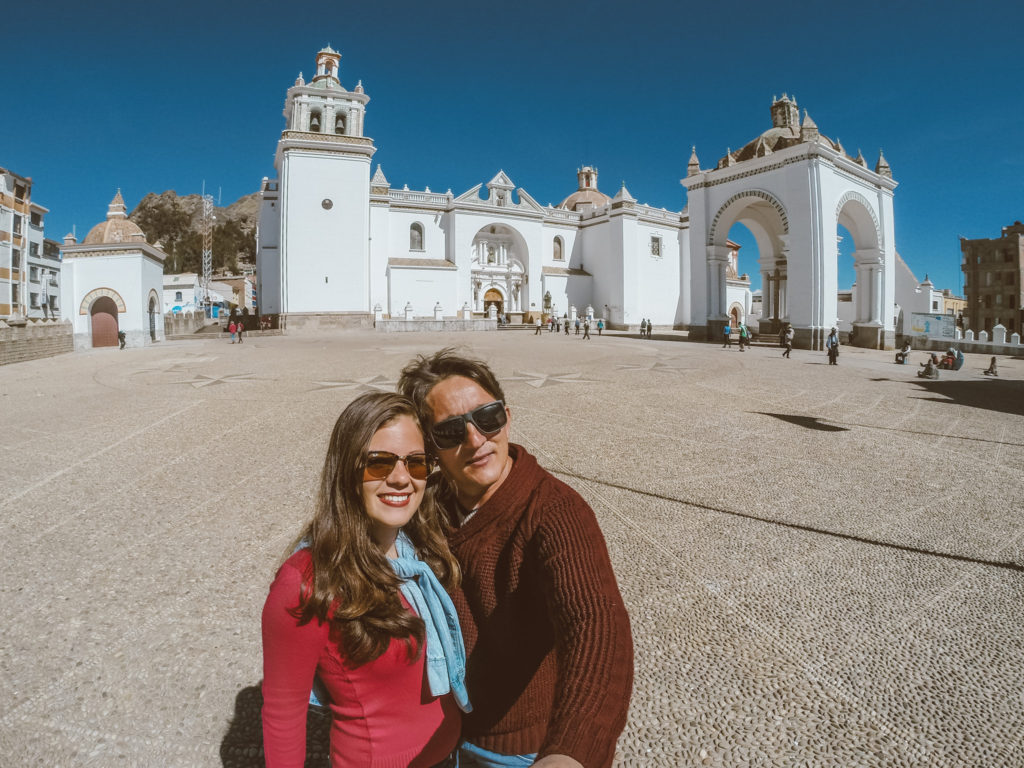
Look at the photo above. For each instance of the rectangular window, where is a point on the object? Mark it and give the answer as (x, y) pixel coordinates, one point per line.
(935, 306)
(16, 259)
(999, 299)
(15, 293)
(37, 219)
(656, 246)
(17, 225)
(33, 274)
(19, 191)
(33, 250)
(34, 300)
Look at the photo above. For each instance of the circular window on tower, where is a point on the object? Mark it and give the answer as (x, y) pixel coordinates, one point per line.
(327, 203)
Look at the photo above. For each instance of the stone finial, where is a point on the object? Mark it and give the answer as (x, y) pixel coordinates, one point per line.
(379, 179)
(882, 166)
(809, 129)
(117, 208)
(693, 167)
(623, 196)
(359, 87)
(70, 239)
(300, 80)
(860, 159)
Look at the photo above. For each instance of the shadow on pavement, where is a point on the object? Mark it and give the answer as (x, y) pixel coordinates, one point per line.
(807, 422)
(991, 394)
(242, 745)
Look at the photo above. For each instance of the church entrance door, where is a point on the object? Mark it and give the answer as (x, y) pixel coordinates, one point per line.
(493, 297)
(104, 322)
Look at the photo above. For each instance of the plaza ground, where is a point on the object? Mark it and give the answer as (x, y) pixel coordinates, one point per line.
(822, 565)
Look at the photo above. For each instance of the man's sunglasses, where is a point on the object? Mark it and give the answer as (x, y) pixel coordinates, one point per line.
(380, 464)
(488, 419)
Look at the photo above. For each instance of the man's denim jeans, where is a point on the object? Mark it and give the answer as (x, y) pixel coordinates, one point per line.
(472, 756)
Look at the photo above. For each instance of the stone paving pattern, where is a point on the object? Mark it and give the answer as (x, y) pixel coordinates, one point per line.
(823, 565)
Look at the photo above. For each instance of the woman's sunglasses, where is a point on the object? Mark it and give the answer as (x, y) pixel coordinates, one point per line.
(488, 419)
(380, 464)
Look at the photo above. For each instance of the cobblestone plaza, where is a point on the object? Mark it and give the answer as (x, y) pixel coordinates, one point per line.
(822, 565)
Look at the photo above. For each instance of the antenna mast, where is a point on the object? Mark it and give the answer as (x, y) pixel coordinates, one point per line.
(207, 246)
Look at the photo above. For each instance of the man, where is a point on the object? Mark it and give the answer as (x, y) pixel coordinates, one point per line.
(787, 337)
(727, 332)
(549, 649)
(537, 332)
(832, 345)
(586, 328)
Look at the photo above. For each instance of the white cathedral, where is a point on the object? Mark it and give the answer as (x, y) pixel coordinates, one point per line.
(337, 246)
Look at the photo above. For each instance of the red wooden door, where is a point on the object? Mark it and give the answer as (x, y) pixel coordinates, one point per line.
(104, 322)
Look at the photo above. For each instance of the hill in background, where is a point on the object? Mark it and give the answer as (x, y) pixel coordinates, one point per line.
(175, 223)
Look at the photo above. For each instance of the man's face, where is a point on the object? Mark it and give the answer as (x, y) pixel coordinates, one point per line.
(479, 464)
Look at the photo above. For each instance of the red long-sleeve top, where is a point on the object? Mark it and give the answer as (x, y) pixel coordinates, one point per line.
(383, 715)
(550, 652)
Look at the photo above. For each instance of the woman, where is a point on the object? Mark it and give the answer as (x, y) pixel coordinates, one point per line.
(361, 606)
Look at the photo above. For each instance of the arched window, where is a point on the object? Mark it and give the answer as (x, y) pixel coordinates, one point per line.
(559, 250)
(416, 237)
(314, 122)
(339, 124)
(177, 295)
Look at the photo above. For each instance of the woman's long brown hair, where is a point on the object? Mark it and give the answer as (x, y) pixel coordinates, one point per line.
(353, 586)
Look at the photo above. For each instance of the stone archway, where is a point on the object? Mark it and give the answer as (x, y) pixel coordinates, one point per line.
(493, 298)
(103, 322)
(856, 213)
(766, 218)
(499, 263)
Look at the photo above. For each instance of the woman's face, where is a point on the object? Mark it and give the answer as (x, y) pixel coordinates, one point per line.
(391, 501)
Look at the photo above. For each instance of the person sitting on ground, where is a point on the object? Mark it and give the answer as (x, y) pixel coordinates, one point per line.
(361, 604)
(992, 370)
(903, 356)
(931, 368)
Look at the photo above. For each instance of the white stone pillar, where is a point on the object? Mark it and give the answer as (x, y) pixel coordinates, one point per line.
(438, 312)
(783, 306)
(378, 313)
(999, 334)
(350, 124)
(408, 310)
(766, 299)
(876, 294)
(303, 116)
(328, 126)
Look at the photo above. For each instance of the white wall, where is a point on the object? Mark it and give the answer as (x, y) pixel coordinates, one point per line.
(325, 252)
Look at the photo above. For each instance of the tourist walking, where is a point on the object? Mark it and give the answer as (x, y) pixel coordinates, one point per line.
(787, 339)
(992, 370)
(727, 332)
(832, 346)
(232, 329)
(643, 327)
(122, 337)
(566, 326)
(586, 328)
(537, 332)
(361, 605)
(577, 326)
(650, 327)
(744, 337)
(600, 326)
(551, 670)
(240, 328)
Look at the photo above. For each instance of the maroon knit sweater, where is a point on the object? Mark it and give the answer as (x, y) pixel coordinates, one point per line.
(550, 654)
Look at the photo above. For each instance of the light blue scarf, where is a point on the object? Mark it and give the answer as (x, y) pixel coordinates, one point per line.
(446, 653)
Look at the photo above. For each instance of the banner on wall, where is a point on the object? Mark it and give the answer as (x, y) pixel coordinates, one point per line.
(933, 326)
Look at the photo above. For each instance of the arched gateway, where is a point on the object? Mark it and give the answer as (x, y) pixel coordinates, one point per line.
(792, 187)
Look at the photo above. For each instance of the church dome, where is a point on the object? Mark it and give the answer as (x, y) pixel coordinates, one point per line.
(117, 228)
(786, 131)
(587, 195)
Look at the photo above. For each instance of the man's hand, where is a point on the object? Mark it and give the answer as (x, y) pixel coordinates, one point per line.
(557, 761)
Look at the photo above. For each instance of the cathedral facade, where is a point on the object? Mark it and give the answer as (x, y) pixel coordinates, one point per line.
(337, 245)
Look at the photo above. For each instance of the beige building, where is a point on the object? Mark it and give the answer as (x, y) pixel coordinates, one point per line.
(29, 265)
(992, 280)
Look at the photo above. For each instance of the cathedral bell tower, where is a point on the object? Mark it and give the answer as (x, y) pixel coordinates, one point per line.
(323, 166)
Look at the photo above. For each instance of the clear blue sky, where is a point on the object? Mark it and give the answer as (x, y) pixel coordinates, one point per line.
(149, 97)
